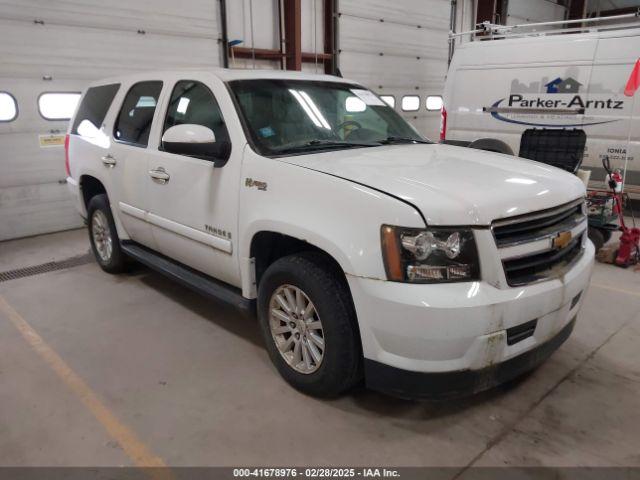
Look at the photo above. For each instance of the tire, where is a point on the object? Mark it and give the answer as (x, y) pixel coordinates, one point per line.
(596, 237)
(340, 366)
(103, 235)
(491, 145)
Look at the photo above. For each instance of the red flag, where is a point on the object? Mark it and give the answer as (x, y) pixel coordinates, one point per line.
(634, 81)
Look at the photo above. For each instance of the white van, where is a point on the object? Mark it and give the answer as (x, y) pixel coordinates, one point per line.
(554, 96)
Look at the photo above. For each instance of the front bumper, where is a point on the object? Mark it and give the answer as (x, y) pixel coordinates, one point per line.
(425, 385)
(451, 339)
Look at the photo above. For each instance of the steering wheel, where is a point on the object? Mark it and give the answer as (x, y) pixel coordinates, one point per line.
(348, 123)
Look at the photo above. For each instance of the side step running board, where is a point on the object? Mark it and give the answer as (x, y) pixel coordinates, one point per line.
(188, 277)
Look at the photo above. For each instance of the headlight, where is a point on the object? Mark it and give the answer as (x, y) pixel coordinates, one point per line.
(432, 255)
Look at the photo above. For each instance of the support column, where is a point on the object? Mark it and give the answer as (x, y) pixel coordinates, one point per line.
(293, 34)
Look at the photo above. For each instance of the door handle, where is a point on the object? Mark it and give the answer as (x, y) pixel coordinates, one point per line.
(109, 161)
(159, 175)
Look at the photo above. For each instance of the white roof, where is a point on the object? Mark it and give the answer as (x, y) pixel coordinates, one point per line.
(226, 75)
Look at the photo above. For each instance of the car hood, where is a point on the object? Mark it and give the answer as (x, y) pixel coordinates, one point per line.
(451, 185)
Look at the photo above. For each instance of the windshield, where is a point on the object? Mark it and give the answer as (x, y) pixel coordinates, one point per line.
(298, 116)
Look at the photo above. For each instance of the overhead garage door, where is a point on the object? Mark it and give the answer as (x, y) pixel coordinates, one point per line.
(60, 47)
(398, 49)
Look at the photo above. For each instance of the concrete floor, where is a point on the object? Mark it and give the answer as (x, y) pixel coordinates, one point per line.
(189, 380)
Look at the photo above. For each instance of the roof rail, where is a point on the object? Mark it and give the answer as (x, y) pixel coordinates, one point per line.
(487, 30)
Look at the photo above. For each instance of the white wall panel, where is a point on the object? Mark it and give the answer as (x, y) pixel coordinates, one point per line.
(397, 49)
(265, 23)
(312, 26)
(72, 42)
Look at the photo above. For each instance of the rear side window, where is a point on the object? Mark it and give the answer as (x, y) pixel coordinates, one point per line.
(193, 102)
(8, 107)
(136, 115)
(93, 109)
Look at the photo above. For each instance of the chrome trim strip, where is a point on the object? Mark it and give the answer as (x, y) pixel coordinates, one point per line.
(562, 227)
(190, 233)
(536, 215)
(132, 211)
(507, 254)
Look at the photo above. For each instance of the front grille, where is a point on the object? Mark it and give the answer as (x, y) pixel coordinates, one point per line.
(530, 246)
(522, 271)
(526, 227)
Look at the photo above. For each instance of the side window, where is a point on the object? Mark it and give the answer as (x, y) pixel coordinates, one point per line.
(94, 107)
(136, 115)
(193, 102)
(434, 103)
(58, 105)
(389, 100)
(410, 103)
(8, 107)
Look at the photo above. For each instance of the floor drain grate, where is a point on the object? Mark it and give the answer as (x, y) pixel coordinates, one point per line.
(46, 267)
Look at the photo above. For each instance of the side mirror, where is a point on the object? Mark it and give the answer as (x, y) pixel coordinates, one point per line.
(195, 141)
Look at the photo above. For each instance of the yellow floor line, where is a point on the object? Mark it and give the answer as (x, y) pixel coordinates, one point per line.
(126, 438)
(615, 289)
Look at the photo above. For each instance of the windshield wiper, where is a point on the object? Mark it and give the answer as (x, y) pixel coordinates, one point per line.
(320, 144)
(395, 140)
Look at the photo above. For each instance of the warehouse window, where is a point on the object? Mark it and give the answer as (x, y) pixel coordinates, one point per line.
(410, 103)
(8, 107)
(389, 100)
(434, 102)
(136, 115)
(93, 109)
(58, 105)
(192, 102)
(354, 105)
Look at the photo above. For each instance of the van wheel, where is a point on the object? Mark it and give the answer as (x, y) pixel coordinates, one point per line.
(491, 145)
(309, 325)
(103, 235)
(596, 237)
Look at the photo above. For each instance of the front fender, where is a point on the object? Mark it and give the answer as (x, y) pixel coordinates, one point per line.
(338, 216)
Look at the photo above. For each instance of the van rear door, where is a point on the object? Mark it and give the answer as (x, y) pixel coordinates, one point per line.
(503, 88)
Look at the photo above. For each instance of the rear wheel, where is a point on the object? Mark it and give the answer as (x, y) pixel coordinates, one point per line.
(309, 326)
(103, 235)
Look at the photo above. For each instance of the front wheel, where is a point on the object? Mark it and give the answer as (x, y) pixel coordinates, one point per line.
(597, 237)
(309, 326)
(103, 235)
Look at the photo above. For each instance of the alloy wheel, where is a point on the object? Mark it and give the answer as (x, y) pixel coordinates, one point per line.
(101, 234)
(296, 329)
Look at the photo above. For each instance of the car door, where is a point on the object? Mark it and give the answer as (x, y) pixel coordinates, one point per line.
(128, 158)
(192, 204)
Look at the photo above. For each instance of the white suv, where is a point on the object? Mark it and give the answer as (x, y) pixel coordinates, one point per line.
(369, 252)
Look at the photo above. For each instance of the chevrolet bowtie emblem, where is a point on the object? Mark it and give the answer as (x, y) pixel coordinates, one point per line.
(562, 240)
